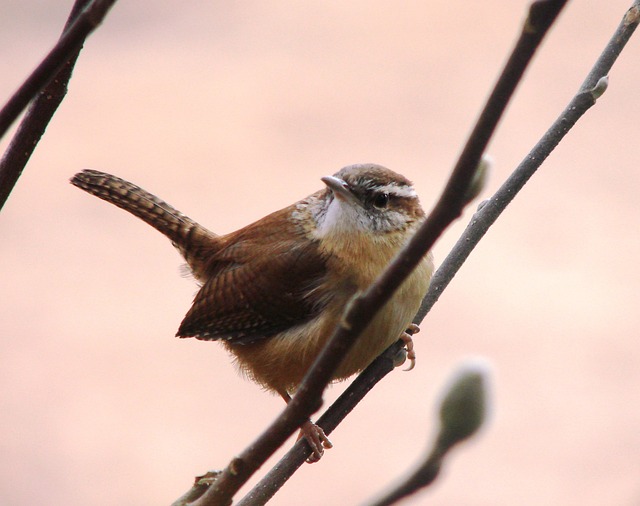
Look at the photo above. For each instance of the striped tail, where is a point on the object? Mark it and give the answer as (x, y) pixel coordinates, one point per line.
(194, 242)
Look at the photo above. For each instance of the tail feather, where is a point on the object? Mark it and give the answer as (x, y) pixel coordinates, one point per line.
(194, 242)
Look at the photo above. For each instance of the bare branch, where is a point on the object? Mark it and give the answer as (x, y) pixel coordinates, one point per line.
(266, 488)
(449, 207)
(592, 88)
(52, 77)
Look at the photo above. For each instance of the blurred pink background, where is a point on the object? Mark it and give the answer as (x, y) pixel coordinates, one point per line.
(233, 110)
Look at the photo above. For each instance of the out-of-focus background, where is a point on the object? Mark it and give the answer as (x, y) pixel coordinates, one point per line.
(232, 110)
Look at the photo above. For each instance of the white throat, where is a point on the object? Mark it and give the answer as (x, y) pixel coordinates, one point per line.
(341, 218)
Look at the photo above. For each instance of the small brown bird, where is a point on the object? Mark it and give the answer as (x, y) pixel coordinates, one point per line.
(274, 291)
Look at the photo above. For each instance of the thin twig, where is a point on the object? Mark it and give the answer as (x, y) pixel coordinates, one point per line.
(593, 86)
(332, 417)
(49, 83)
(449, 207)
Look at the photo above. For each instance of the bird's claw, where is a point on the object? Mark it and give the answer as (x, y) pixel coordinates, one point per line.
(317, 440)
(408, 344)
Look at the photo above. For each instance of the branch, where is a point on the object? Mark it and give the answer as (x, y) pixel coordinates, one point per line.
(297, 455)
(592, 88)
(52, 77)
(449, 207)
(266, 488)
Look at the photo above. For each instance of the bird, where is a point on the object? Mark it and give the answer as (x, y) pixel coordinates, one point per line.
(273, 291)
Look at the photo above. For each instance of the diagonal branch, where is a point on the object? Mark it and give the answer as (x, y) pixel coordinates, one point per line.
(271, 482)
(449, 207)
(481, 221)
(49, 83)
(593, 86)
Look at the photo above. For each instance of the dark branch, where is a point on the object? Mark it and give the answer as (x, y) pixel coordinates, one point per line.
(454, 197)
(593, 86)
(332, 417)
(49, 83)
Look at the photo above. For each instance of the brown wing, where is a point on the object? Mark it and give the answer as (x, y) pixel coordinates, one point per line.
(260, 285)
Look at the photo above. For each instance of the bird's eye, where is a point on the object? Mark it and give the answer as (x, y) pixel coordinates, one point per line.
(381, 200)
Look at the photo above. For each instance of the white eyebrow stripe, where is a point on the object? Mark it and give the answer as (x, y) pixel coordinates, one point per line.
(398, 191)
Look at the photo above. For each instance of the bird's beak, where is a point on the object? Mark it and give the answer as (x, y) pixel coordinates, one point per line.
(339, 188)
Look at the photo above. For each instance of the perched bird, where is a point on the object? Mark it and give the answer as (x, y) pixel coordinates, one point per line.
(273, 291)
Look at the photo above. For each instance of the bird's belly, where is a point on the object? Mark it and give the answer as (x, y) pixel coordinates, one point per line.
(390, 322)
(280, 362)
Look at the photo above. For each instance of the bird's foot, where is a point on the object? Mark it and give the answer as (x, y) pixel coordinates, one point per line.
(317, 440)
(408, 344)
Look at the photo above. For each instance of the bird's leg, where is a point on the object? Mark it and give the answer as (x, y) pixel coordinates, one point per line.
(314, 435)
(408, 343)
